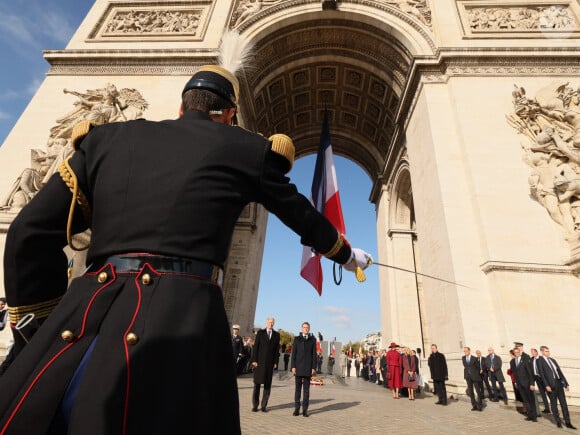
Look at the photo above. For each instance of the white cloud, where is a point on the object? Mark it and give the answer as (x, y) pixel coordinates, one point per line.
(13, 28)
(33, 86)
(9, 94)
(338, 317)
(4, 116)
(330, 309)
(40, 26)
(56, 26)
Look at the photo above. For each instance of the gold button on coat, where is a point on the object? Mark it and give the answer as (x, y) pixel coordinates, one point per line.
(102, 277)
(146, 278)
(132, 338)
(67, 336)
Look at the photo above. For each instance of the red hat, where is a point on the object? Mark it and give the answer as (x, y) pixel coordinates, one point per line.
(393, 344)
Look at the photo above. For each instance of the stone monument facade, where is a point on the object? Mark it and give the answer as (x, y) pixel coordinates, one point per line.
(464, 113)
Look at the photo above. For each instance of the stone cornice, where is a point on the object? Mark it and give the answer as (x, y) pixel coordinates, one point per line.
(508, 266)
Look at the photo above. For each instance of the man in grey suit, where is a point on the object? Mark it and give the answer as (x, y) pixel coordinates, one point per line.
(556, 384)
(471, 374)
(493, 362)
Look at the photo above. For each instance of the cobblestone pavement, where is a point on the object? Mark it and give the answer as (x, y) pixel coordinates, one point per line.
(351, 405)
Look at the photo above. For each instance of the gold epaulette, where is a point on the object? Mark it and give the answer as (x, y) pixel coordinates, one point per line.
(79, 131)
(40, 310)
(78, 197)
(283, 145)
(336, 248)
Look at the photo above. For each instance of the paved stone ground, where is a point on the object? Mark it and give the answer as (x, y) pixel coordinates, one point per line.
(351, 405)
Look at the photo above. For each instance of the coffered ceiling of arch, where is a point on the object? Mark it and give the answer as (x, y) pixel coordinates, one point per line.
(356, 72)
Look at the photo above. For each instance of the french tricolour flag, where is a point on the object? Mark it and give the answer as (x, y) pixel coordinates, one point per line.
(326, 199)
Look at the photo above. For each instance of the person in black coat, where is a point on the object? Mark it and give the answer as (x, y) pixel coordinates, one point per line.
(438, 368)
(119, 349)
(303, 364)
(264, 360)
(493, 363)
(523, 372)
(556, 384)
(472, 375)
(237, 348)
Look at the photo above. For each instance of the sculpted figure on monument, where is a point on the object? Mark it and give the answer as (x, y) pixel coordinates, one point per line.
(550, 123)
(158, 21)
(511, 19)
(543, 188)
(416, 8)
(249, 8)
(99, 106)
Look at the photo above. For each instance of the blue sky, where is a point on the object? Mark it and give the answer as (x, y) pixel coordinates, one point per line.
(348, 312)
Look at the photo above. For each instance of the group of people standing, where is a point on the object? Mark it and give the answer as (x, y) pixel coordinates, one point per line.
(527, 373)
(396, 369)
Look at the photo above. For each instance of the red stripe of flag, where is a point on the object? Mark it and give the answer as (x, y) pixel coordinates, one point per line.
(326, 198)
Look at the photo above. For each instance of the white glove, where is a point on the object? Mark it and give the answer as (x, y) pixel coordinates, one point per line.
(358, 258)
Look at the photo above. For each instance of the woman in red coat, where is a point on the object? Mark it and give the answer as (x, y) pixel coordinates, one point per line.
(394, 361)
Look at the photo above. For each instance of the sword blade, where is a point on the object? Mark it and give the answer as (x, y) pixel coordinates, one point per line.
(420, 274)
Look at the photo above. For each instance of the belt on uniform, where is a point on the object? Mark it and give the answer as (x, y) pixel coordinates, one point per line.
(165, 264)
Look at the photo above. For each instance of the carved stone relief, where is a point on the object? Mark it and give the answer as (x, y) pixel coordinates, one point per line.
(416, 8)
(533, 17)
(124, 20)
(246, 9)
(550, 125)
(99, 106)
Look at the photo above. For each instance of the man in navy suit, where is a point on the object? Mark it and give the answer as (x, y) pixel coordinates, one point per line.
(303, 364)
(471, 374)
(522, 369)
(556, 384)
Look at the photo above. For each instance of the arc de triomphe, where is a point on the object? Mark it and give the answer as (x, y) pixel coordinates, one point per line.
(464, 113)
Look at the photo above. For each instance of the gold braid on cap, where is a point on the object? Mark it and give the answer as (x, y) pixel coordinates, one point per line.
(283, 145)
(78, 197)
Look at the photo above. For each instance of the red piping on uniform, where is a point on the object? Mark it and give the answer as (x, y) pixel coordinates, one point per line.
(54, 358)
(127, 358)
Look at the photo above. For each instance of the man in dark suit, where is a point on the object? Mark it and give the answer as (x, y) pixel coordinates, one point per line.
(472, 375)
(264, 361)
(493, 363)
(539, 381)
(238, 348)
(303, 364)
(484, 372)
(438, 367)
(556, 384)
(522, 369)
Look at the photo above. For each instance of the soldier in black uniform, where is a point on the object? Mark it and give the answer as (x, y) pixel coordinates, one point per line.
(119, 352)
(237, 348)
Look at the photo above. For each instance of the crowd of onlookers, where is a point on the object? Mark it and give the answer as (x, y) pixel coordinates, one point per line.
(535, 379)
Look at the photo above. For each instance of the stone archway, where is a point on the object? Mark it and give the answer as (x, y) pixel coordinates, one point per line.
(356, 64)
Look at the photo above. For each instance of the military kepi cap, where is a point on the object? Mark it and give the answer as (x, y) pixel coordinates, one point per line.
(517, 343)
(236, 327)
(215, 79)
